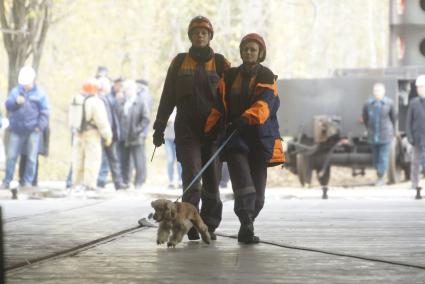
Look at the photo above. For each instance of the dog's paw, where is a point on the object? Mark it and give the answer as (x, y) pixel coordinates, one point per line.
(171, 244)
(159, 242)
(206, 237)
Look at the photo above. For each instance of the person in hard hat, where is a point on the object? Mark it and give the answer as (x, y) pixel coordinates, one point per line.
(28, 110)
(89, 124)
(415, 129)
(379, 117)
(191, 85)
(250, 102)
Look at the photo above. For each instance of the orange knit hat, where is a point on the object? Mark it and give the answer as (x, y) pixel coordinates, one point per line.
(91, 87)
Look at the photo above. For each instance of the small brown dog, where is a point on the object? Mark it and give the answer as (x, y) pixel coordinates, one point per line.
(177, 217)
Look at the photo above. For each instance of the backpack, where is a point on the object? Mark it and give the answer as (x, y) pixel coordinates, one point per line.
(77, 113)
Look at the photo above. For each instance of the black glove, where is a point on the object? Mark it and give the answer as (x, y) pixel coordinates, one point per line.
(158, 138)
(237, 123)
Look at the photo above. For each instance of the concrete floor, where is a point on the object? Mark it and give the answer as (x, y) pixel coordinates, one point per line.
(386, 224)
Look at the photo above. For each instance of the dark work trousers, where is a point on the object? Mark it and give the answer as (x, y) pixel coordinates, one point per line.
(114, 163)
(249, 177)
(129, 154)
(22, 164)
(192, 156)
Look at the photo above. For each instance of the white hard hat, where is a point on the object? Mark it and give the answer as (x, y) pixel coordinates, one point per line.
(26, 75)
(420, 81)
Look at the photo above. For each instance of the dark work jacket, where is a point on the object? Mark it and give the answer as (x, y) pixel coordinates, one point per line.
(256, 104)
(134, 123)
(112, 117)
(192, 87)
(415, 122)
(379, 118)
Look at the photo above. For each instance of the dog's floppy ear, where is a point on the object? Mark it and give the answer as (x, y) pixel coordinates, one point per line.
(155, 203)
(171, 206)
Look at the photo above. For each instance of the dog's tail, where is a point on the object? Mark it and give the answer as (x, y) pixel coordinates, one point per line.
(202, 229)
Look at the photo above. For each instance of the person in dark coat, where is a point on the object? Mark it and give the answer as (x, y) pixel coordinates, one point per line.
(191, 85)
(143, 93)
(415, 129)
(110, 158)
(133, 116)
(249, 104)
(379, 118)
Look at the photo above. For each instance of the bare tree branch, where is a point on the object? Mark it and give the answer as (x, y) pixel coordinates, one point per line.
(10, 31)
(65, 14)
(7, 38)
(27, 28)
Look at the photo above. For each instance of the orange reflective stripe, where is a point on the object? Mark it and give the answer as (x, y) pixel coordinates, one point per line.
(210, 66)
(235, 88)
(272, 87)
(257, 113)
(278, 154)
(222, 90)
(212, 119)
(188, 65)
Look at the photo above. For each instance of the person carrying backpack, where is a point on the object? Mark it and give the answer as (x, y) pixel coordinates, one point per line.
(89, 124)
(191, 85)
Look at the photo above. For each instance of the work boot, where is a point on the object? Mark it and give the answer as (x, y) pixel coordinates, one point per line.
(246, 234)
(380, 181)
(101, 184)
(121, 185)
(193, 234)
(418, 192)
(5, 185)
(213, 236)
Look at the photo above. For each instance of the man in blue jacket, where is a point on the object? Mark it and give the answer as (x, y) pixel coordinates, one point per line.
(379, 117)
(28, 111)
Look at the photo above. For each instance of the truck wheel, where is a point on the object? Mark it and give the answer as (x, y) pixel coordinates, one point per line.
(304, 169)
(324, 180)
(394, 163)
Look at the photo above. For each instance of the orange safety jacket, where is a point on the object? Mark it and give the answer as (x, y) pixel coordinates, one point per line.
(258, 110)
(193, 107)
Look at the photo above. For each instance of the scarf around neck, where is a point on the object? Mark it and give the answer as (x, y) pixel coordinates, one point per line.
(201, 54)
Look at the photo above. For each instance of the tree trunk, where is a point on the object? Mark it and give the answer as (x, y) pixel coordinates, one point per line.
(29, 21)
